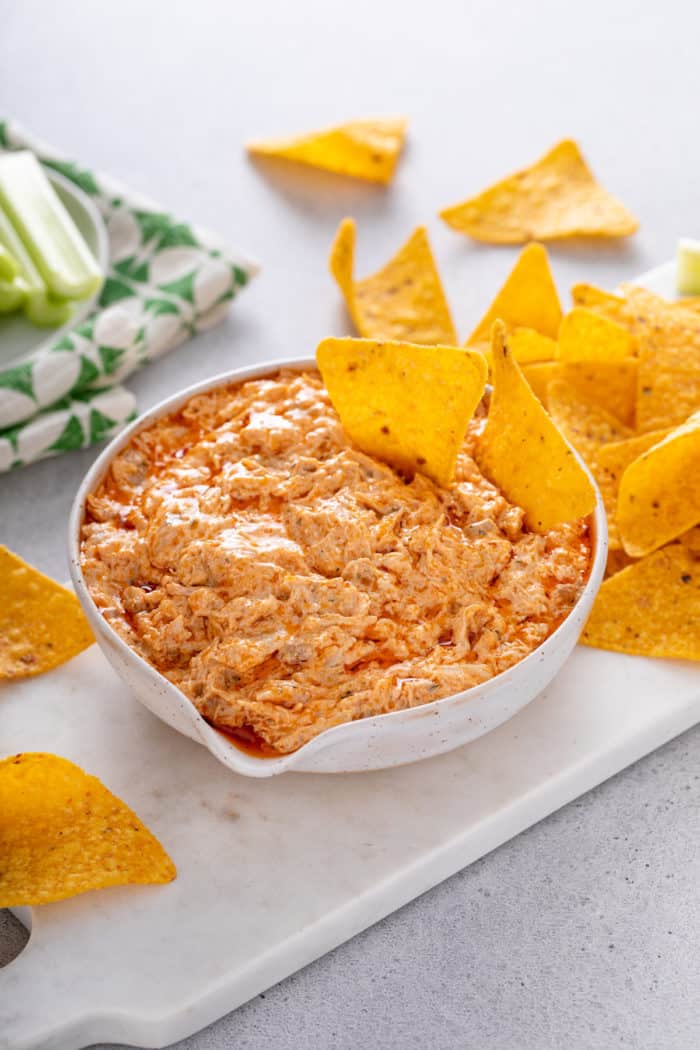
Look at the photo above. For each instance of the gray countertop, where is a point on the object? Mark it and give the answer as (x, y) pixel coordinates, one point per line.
(583, 932)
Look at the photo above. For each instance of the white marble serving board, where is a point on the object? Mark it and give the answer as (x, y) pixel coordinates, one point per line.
(274, 873)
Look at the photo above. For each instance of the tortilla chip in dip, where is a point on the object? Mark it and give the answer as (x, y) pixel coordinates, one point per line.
(556, 197)
(63, 833)
(404, 300)
(528, 299)
(650, 608)
(409, 405)
(523, 452)
(659, 496)
(362, 149)
(41, 623)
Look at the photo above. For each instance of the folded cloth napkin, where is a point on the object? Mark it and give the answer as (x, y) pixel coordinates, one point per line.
(167, 280)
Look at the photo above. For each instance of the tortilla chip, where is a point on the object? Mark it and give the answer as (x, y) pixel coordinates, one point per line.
(605, 304)
(363, 149)
(690, 302)
(691, 539)
(41, 623)
(555, 197)
(584, 336)
(611, 462)
(528, 299)
(668, 339)
(587, 426)
(523, 453)
(406, 404)
(651, 608)
(660, 491)
(63, 833)
(611, 386)
(529, 347)
(617, 561)
(404, 301)
(540, 375)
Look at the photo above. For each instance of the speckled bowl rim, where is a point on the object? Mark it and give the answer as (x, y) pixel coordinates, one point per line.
(237, 759)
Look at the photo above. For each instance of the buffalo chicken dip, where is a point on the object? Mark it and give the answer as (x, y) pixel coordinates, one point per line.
(286, 582)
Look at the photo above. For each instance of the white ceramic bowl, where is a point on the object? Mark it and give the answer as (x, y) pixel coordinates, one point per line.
(370, 743)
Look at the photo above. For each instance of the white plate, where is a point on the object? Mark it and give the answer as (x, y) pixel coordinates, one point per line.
(20, 340)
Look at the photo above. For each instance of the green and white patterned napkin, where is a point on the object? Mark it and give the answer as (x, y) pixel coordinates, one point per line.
(167, 280)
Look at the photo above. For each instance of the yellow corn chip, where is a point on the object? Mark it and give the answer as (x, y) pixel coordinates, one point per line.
(529, 347)
(540, 375)
(600, 302)
(585, 425)
(651, 608)
(62, 833)
(660, 491)
(691, 539)
(584, 336)
(617, 561)
(523, 453)
(556, 197)
(611, 462)
(690, 302)
(41, 623)
(363, 149)
(406, 404)
(668, 339)
(611, 386)
(404, 301)
(528, 299)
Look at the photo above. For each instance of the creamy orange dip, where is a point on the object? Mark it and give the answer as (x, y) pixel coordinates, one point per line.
(286, 582)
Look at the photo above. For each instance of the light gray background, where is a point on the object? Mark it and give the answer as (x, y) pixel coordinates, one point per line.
(583, 932)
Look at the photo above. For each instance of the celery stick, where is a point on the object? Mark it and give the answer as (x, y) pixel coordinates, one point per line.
(48, 312)
(39, 306)
(9, 267)
(688, 267)
(50, 235)
(12, 295)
